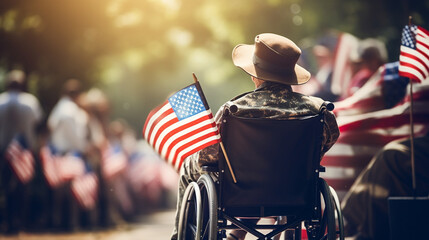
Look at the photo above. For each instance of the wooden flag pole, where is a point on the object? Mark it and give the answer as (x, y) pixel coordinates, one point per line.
(221, 145)
(228, 162)
(413, 171)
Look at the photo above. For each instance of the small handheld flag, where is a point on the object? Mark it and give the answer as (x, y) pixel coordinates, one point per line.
(20, 158)
(414, 64)
(181, 126)
(414, 57)
(114, 160)
(85, 189)
(49, 166)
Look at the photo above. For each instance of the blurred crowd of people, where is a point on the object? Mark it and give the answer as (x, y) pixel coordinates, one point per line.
(343, 64)
(371, 160)
(73, 168)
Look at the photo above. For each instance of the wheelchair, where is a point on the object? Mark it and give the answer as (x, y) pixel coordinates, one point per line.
(277, 166)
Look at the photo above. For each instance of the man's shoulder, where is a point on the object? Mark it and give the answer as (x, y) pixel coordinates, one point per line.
(28, 99)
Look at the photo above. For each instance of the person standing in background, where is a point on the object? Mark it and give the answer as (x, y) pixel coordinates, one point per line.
(68, 127)
(368, 57)
(20, 113)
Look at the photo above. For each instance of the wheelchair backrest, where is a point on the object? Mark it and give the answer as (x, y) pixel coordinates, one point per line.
(275, 162)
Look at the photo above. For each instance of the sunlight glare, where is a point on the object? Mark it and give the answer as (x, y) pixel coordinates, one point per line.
(130, 18)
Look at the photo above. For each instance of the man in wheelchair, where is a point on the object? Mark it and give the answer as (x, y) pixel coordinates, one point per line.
(271, 64)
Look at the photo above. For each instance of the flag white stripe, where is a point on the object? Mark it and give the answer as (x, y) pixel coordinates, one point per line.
(25, 166)
(423, 34)
(339, 173)
(423, 46)
(21, 160)
(190, 148)
(154, 117)
(185, 141)
(159, 125)
(412, 71)
(175, 125)
(412, 61)
(342, 149)
(418, 107)
(13, 151)
(180, 133)
(423, 38)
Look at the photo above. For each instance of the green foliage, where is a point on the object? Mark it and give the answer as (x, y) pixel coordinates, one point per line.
(140, 51)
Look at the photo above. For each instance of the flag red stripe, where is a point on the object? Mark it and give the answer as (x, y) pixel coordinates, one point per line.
(162, 128)
(410, 65)
(417, 96)
(179, 129)
(84, 190)
(355, 161)
(187, 136)
(419, 49)
(151, 113)
(157, 120)
(423, 30)
(21, 161)
(196, 150)
(368, 138)
(424, 61)
(195, 141)
(174, 139)
(24, 166)
(372, 102)
(384, 122)
(410, 76)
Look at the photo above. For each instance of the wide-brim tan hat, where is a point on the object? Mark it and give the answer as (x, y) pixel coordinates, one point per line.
(272, 58)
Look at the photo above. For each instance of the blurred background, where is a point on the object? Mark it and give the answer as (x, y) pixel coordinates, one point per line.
(139, 51)
(129, 55)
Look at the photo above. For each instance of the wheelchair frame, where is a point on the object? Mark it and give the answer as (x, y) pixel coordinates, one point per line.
(204, 216)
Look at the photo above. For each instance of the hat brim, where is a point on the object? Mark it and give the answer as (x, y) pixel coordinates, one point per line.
(242, 56)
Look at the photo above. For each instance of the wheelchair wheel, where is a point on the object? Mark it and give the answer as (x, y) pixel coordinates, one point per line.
(198, 214)
(324, 227)
(339, 214)
(209, 207)
(189, 227)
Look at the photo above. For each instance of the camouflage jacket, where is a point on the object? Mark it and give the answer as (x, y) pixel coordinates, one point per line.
(272, 100)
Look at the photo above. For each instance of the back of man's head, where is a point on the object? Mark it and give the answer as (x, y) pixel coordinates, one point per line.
(15, 80)
(72, 88)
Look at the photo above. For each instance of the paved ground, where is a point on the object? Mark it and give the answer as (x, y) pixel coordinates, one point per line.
(151, 227)
(155, 226)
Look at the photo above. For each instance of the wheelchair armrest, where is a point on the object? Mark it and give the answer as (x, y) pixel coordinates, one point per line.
(208, 168)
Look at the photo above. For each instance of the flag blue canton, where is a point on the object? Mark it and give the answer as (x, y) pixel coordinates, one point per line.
(187, 102)
(391, 71)
(409, 36)
(21, 140)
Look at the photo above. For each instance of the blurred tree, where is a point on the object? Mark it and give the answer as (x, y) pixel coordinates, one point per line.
(140, 51)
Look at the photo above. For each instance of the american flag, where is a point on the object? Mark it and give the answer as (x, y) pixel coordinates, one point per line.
(342, 73)
(414, 57)
(58, 168)
(113, 161)
(49, 167)
(366, 125)
(70, 166)
(85, 189)
(20, 158)
(181, 126)
(372, 95)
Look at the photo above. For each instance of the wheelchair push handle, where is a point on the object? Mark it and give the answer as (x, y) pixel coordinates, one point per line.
(326, 105)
